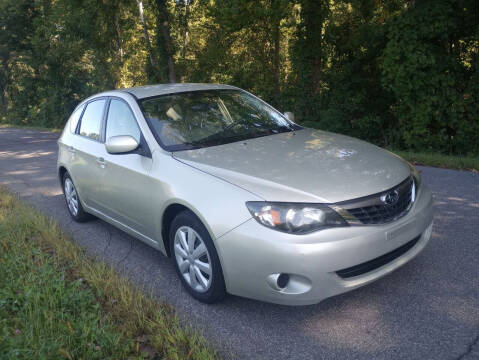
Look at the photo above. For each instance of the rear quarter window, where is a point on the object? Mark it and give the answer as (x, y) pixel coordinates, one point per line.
(74, 118)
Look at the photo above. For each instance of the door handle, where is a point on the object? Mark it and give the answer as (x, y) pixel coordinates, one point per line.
(100, 161)
(71, 149)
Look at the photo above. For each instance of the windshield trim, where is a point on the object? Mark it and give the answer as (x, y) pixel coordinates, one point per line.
(185, 147)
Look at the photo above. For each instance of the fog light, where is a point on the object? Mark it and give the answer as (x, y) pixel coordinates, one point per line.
(282, 280)
(289, 284)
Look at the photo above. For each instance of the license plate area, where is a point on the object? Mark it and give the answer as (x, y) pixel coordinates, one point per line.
(406, 231)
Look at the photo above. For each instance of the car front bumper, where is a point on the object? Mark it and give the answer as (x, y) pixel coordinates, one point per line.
(253, 256)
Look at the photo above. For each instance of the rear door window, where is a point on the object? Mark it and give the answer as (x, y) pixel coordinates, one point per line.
(90, 125)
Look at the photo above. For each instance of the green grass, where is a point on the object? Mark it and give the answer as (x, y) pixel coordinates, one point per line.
(438, 160)
(57, 303)
(38, 128)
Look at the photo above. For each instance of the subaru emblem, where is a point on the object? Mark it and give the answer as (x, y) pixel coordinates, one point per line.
(390, 198)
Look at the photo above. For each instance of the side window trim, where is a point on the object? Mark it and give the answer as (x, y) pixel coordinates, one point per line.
(105, 120)
(77, 128)
(145, 148)
(107, 102)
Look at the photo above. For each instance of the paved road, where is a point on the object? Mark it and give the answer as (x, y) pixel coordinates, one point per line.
(429, 309)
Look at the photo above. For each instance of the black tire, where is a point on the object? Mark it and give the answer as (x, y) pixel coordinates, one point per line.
(81, 215)
(217, 289)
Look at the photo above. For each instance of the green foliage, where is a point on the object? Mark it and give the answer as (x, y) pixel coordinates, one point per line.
(430, 65)
(309, 58)
(398, 73)
(70, 49)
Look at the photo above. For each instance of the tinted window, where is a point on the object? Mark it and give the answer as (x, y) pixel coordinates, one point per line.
(74, 118)
(121, 121)
(91, 120)
(207, 118)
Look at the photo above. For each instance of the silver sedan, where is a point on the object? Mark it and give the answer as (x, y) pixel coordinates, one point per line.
(244, 200)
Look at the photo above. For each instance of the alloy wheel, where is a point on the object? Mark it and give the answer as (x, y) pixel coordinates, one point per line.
(71, 197)
(193, 259)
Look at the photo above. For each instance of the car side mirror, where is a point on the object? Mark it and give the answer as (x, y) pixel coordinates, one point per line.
(121, 144)
(289, 115)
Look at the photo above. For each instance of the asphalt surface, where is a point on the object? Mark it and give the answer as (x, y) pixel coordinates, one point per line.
(428, 309)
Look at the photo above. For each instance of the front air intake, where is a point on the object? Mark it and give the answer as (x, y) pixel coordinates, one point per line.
(376, 263)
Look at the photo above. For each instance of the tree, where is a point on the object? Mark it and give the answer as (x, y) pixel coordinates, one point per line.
(246, 45)
(352, 98)
(308, 55)
(430, 56)
(164, 43)
(400, 73)
(16, 22)
(151, 56)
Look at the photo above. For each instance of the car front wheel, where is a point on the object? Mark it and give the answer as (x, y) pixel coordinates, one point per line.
(195, 257)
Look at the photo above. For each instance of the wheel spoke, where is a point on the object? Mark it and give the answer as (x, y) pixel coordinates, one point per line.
(184, 266)
(205, 267)
(191, 240)
(199, 251)
(67, 187)
(182, 239)
(193, 280)
(180, 251)
(200, 277)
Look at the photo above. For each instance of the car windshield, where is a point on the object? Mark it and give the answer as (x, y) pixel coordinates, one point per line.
(197, 119)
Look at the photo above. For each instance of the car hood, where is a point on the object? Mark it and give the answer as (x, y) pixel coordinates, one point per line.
(302, 166)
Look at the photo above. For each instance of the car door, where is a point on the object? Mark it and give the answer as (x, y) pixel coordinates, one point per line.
(87, 152)
(127, 187)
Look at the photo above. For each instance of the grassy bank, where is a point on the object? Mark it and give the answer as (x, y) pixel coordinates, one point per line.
(55, 302)
(38, 128)
(438, 160)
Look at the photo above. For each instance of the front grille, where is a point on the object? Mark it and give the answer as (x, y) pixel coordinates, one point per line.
(381, 213)
(374, 210)
(376, 263)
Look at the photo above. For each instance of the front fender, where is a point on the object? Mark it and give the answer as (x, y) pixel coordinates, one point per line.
(219, 204)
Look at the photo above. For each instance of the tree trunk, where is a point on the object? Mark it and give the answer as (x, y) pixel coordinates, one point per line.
(3, 101)
(153, 62)
(276, 61)
(3, 83)
(314, 15)
(119, 47)
(185, 34)
(277, 13)
(164, 43)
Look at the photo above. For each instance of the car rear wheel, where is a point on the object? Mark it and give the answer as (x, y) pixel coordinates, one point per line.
(195, 258)
(72, 199)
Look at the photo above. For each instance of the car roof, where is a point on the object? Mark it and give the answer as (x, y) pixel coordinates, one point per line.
(142, 92)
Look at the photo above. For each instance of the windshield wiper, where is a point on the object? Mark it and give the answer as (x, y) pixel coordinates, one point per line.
(220, 139)
(217, 136)
(216, 139)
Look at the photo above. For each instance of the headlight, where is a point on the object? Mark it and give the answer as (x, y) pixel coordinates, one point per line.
(295, 218)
